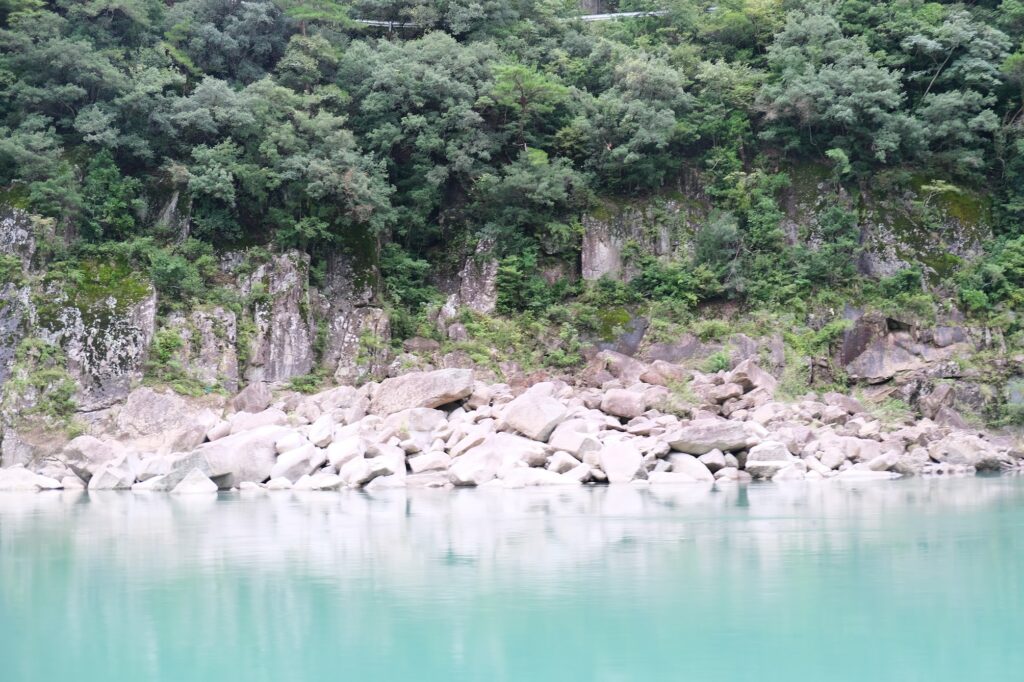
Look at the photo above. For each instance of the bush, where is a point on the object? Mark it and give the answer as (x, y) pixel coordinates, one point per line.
(676, 281)
(718, 361)
(709, 330)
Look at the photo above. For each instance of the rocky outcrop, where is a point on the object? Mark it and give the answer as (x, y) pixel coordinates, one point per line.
(17, 235)
(282, 344)
(105, 334)
(475, 288)
(209, 346)
(356, 328)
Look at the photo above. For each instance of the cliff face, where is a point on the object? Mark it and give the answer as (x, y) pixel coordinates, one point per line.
(932, 228)
(104, 333)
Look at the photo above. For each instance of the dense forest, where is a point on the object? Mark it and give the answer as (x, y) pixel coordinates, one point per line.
(288, 123)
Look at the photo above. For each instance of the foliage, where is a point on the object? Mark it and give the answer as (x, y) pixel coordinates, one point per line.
(489, 122)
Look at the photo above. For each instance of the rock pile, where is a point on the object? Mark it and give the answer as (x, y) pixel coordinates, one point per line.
(443, 428)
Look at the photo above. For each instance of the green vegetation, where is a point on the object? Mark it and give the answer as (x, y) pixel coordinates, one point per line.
(284, 124)
(40, 389)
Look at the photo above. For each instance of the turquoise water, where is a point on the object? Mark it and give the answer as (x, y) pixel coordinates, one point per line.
(906, 580)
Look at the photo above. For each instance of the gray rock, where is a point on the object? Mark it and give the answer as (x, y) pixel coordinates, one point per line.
(789, 473)
(319, 481)
(476, 467)
(429, 461)
(535, 416)
(623, 403)
(727, 391)
(208, 352)
(282, 345)
(18, 478)
(704, 435)
(105, 339)
(846, 403)
(749, 375)
(294, 463)
(195, 483)
(713, 460)
(562, 462)
(86, 454)
(620, 461)
(570, 437)
(421, 389)
(768, 458)
(111, 477)
(514, 448)
(254, 398)
(244, 456)
(247, 421)
(689, 465)
(967, 450)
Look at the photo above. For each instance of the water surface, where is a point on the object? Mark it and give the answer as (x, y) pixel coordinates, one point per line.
(906, 580)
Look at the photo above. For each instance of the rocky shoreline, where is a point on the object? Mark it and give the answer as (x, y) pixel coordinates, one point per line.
(444, 428)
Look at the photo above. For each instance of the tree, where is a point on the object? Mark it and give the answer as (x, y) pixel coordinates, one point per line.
(531, 96)
(828, 91)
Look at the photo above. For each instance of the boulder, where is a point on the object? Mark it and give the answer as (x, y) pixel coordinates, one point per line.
(319, 481)
(620, 461)
(345, 449)
(713, 460)
(246, 456)
(476, 467)
(691, 466)
(294, 463)
(749, 375)
(572, 437)
(515, 449)
(355, 472)
(255, 397)
(72, 483)
(429, 461)
(320, 431)
(535, 416)
(247, 421)
(85, 454)
(847, 403)
(416, 420)
(968, 450)
(831, 456)
(562, 462)
(789, 473)
(727, 391)
(768, 458)
(111, 477)
(620, 402)
(195, 482)
(421, 389)
(157, 417)
(290, 441)
(704, 435)
(18, 478)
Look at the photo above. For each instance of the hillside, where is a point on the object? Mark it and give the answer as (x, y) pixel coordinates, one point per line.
(208, 194)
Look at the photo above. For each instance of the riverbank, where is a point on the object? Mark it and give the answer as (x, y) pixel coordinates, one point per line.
(444, 428)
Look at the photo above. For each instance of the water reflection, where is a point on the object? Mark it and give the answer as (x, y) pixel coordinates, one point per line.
(536, 531)
(438, 584)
